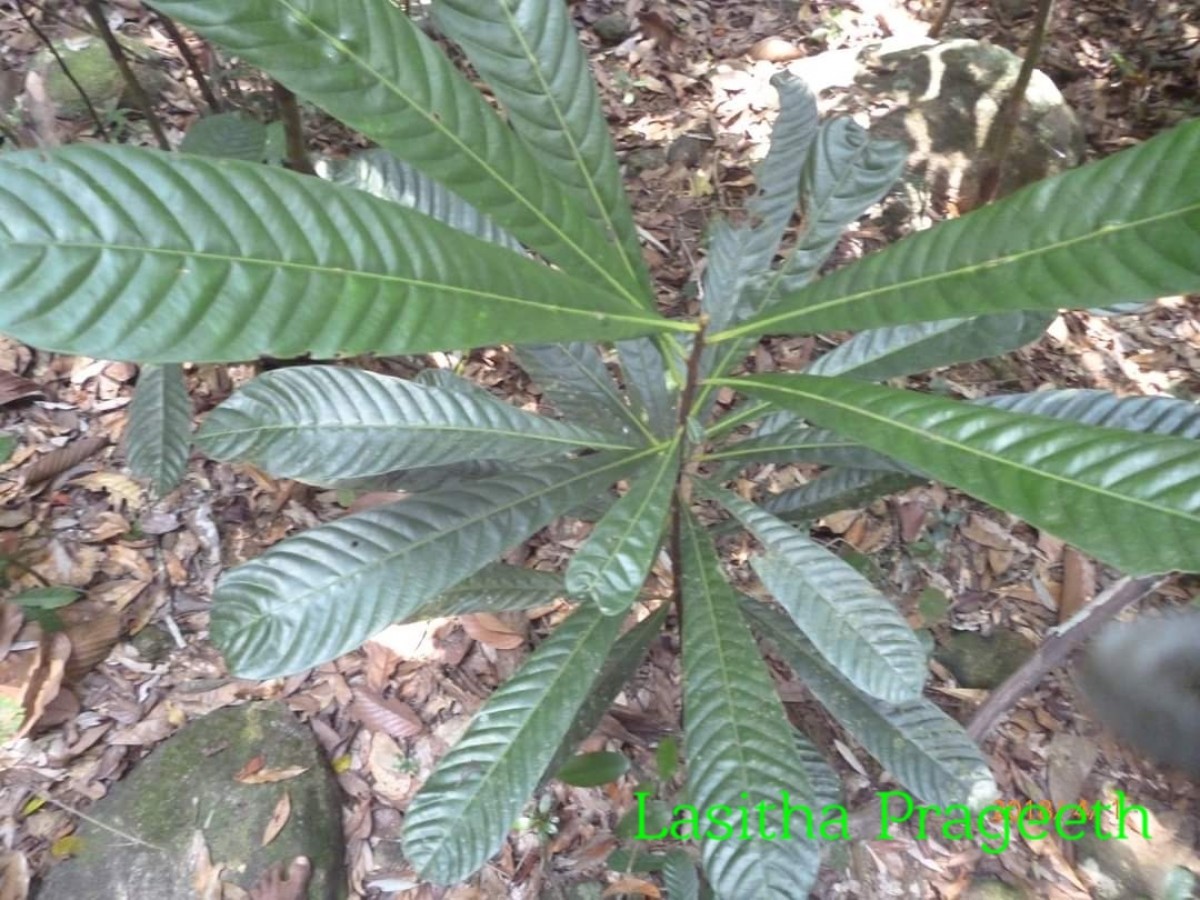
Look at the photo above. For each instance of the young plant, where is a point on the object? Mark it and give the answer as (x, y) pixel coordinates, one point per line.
(513, 229)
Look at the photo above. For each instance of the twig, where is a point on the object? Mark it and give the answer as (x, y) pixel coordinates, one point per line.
(293, 128)
(935, 30)
(999, 139)
(66, 70)
(136, 91)
(99, 824)
(189, 58)
(1055, 649)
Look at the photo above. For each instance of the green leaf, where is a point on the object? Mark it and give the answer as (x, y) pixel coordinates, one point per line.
(321, 423)
(124, 253)
(919, 744)
(579, 385)
(322, 593)
(232, 135)
(460, 816)
(1118, 230)
(826, 786)
(850, 622)
(1148, 415)
(8, 444)
(1131, 500)
(680, 877)
(799, 442)
(529, 54)
(846, 172)
(654, 392)
(834, 490)
(666, 758)
(369, 65)
(882, 353)
(738, 741)
(612, 564)
(47, 597)
(158, 436)
(738, 253)
(382, 175)
(593, 769)
(494, 588)
(621, 665)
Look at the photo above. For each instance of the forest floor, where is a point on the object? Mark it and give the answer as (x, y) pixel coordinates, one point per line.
(71, 514)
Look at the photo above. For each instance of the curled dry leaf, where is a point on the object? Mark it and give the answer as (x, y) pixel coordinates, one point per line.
(489, 629)
(279, 818)
(14, 876)
(270, 776)
(628, 884)
(775, 49)
(14, 388)
(30, 678)
(379, 713)
(93, 630)
(58, 461)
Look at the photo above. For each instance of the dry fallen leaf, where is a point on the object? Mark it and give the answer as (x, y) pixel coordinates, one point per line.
(1078, 583)
(379, 713)
(121, 489)
(14, 388)
(58, 461)
(489, 629)
(775, 49)
(279, 818)
(628, 884)
(270, 776)
(206, 877)
(14, 876)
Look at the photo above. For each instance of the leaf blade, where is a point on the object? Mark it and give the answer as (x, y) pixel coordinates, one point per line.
(1131, 500)
(381, 75)
(95, 260)
(321, 593)
(298, 422)
(158, 436)
(739, 743)
(611, 566)
(461, 814)
(1132, 239)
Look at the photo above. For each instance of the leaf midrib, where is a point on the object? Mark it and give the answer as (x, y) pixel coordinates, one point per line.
(766, 324)
(934, 438)
(436, 124)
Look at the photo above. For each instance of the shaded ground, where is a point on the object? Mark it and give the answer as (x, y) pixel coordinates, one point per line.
(690, 111)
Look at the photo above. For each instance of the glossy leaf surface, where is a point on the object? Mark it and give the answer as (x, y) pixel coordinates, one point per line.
(158, 435)
(124, 253)
(1119, 230)
(849, 621)
(1132, 500)
(738, 739)
(320, 594)
(463, 811)
(321, 423)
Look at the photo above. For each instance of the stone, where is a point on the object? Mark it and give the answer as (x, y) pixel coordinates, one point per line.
(612, 28)
(983, 662)
(991, 889)
(93, 67)
(941, 98)
(146, 826)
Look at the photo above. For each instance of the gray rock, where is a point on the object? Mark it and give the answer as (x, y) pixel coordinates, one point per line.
(979, 661)
(612, 28)
(188, 785)
(992, 889)
(93, 67)
(941, 99)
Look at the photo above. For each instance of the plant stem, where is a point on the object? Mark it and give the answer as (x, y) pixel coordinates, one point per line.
(189, 58)
(688, 397)
(1055, 649)
(1000, 135)
(45, 39)
(136, 91)
(943, 16)
(293, 127)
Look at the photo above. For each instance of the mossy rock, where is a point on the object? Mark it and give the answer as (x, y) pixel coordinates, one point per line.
(93, 67)
(188, 785)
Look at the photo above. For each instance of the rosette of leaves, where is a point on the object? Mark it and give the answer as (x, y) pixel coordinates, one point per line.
(512, 228)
